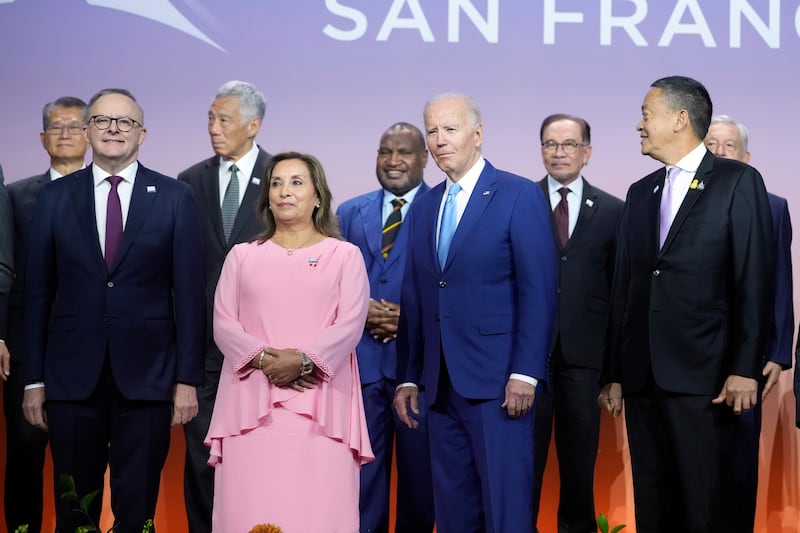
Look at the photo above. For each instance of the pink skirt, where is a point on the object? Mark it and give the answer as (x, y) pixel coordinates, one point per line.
(286, 472)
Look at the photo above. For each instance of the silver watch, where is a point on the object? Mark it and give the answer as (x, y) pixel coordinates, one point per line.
(306, 365)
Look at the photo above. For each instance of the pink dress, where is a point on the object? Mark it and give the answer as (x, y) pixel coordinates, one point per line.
(285, 457)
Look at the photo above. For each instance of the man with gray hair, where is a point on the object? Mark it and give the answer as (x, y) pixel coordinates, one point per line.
(63, 140)
(226, 187)
(728, 138)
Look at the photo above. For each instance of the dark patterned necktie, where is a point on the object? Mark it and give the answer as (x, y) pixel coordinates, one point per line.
(561, 217)
(392, 226)
(113, 222)
(230, 203)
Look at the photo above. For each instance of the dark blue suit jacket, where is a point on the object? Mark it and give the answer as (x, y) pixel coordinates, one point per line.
(148, 313)
(491, 309)
(779, 340)
(361, 221)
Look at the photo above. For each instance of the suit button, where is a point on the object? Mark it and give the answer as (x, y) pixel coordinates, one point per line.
(437, 318)
(110, 284)
(442, 284)
(656, 273)
(564, 258)
(384, 281)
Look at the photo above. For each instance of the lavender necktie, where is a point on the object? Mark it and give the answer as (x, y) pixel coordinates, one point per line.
(113, 222)
(665, 219)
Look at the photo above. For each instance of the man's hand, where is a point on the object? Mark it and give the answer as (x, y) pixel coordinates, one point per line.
(184, 403)
(610, 399)
(33, 408)
(382, 318)
(5, 362)
(405, 397)
(772, 371)
(519, 398)
(739, 392)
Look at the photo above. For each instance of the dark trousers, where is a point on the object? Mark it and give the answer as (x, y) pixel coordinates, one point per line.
(25, 455)
(414, 486)
(571, 399)
(681, 458)
(745, 472)
(131, 437)
(198, 476)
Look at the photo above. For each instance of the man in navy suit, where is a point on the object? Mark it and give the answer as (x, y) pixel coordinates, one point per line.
(234, 120)
(585, 221)
(62, 137)
(478, 299)
(691, 306)
(377, 223)
(728, 138)
(114, 317)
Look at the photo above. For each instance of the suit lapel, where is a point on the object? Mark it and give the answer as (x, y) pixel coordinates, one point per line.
(371, 214)
(82, 192)
(703, 175)
(480, 198)
(586, 211)
(142, 198)
(210, 186)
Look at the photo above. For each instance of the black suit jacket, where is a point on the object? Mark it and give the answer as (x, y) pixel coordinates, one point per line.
(204, 180)
(23, 195)
(697, 310)
(585, 268)
(6, 255)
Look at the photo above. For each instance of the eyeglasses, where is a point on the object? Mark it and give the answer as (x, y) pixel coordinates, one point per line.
(569, 147)
(124, 124)
(56, 128)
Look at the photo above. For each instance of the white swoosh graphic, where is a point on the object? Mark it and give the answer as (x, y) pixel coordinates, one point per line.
(161, 11)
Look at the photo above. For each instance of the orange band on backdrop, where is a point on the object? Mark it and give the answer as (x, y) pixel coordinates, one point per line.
(778, 495)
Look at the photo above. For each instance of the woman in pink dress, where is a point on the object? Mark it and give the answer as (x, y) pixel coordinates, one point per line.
(288, 433)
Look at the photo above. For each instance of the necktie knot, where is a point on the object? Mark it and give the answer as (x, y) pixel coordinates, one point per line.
(114, 181)
(234, 170)
(397, 203)
(454, 190)
(564, 191)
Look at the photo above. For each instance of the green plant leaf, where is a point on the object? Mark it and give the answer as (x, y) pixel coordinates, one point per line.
(602, 523)
(87, 500)
(621, 526)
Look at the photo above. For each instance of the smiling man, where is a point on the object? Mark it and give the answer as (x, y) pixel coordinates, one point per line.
(691, 302)
(113, 317)
(63, 139)
(377, 223)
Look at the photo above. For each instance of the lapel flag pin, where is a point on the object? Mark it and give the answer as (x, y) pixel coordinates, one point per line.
(313, 261)
(655, 190)
(256, 181)
(589, 202)
(486, 193)
(694, 184)
(701, 185)
(151, 188)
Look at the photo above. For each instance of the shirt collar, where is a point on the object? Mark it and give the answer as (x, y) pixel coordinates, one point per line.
(408, 197)
(245, 164)
(468, 180)
(127, 174)
(691, 161)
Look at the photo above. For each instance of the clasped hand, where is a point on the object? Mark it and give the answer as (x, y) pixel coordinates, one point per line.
(282, 368)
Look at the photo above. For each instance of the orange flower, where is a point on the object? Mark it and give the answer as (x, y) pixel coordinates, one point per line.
(266, 528)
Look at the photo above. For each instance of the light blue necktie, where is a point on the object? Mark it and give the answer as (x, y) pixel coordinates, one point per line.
(448, 226)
